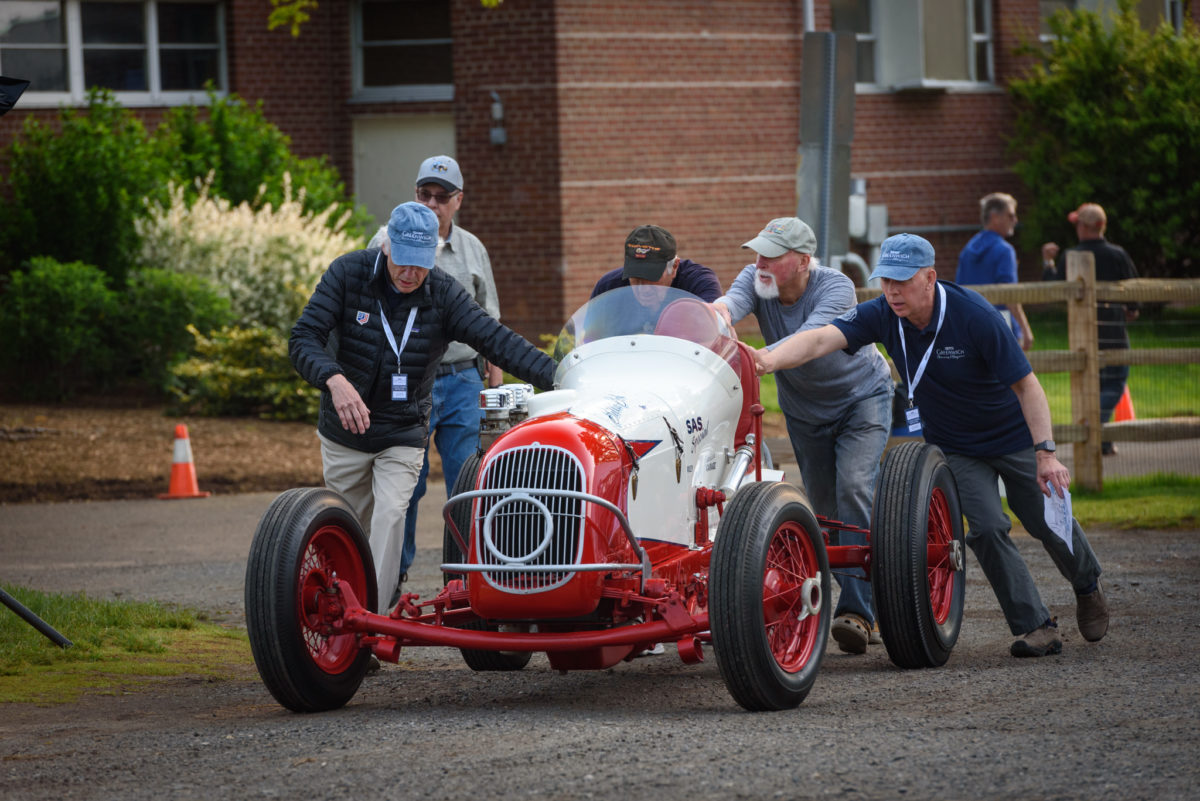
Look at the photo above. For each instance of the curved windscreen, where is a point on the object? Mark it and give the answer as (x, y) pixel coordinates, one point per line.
(647, 309)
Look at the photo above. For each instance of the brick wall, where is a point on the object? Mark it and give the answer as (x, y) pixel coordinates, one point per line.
(620, 113)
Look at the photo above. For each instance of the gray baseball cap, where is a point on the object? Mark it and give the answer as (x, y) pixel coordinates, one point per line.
(441, 170)
(781, 235)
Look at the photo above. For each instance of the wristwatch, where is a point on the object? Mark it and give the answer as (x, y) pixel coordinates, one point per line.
(1045, 445)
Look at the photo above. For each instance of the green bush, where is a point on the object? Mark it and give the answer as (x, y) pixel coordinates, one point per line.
(246, 159)
(157, 307)
(1110, 114)
(242, 371)
(77, 190)
(57, 325)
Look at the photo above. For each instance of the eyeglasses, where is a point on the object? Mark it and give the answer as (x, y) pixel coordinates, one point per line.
(441, 198)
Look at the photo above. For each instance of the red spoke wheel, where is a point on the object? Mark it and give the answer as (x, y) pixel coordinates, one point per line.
(918, 556)
(460, 513)
(307, 539)
(769, 603)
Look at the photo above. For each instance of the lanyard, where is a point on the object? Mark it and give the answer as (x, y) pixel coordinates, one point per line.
(391, 338)
(912, 381)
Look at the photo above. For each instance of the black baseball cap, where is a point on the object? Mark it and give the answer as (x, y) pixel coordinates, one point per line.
(647, 250)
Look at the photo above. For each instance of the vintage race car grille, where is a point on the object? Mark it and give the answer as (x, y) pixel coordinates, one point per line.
(528, 528)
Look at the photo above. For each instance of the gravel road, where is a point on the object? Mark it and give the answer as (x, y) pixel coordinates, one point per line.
(1115, 719)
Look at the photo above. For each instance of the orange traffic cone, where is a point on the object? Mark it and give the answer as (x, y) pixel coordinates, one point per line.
(1124, 408)
(183, 471)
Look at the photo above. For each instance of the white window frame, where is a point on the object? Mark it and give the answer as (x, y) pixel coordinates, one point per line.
(986, 38)
(399, 93)
(155, 95)
(900, 48)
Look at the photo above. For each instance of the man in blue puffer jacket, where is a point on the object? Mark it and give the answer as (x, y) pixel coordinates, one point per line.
(394, 314)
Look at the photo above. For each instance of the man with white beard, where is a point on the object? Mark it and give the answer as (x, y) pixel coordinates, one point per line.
(838, 408)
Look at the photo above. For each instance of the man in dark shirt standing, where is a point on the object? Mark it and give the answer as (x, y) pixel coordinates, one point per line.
(1112, 264)
(972, 393)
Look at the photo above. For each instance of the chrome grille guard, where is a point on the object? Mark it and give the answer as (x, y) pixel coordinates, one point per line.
(521, 566)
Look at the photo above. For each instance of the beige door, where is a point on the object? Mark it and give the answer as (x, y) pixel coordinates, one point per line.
(387, 153)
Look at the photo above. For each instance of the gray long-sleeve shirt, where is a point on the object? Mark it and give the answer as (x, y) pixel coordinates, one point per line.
(817, 392)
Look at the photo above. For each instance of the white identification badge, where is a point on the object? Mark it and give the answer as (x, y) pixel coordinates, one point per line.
(913, 416)
(400, 387)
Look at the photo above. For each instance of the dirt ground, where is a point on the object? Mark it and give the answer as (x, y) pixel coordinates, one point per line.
(1114, 719)
(115, 452)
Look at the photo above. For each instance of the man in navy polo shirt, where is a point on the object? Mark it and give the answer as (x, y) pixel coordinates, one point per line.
(972, 393)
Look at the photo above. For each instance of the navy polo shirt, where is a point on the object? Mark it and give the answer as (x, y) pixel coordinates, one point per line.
(965, 395)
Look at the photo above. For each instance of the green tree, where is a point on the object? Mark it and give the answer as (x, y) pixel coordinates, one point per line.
(244, 158)
(77, 190)
(1110, 113)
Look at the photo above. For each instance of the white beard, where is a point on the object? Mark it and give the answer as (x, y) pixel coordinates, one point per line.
(765, 286)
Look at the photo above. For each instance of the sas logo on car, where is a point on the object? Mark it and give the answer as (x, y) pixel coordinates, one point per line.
(362, 317)
(951, 352)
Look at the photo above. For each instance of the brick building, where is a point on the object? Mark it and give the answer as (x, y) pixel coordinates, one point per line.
(684, 113)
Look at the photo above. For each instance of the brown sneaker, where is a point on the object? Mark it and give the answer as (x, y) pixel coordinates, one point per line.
(1091, 613)
(1039, 642)
(851, 632)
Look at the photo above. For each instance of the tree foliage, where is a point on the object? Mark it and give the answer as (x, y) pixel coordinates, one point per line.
(1110, 114)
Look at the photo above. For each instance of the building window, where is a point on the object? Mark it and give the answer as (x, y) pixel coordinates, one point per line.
(854, 16)
(927, 44)
(403, 50)
(148, 52)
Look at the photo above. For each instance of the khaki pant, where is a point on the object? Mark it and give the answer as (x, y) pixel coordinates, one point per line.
(377, 486)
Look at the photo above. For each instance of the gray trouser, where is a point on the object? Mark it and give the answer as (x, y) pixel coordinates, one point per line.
(989, 528)
(377, 486)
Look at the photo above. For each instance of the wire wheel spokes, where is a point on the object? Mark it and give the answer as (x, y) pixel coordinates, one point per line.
(791, 597)
(329, 555)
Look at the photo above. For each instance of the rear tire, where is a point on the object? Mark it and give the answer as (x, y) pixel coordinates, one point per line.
(461, 515)
(918, 556)
(305, 537)
(769, 597)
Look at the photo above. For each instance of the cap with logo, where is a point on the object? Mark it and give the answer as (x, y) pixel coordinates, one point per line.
(648, 248)
(440, 170)
(781, 235)
(413, 232)
(900, 257)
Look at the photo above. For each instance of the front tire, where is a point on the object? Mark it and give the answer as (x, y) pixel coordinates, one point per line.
(460, 513)
(306, 537)
(769, 597)
(918, 556)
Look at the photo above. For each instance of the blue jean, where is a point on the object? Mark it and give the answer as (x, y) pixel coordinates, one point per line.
(454, 429)
(989, 527)
(1112, 387)
(839, 464)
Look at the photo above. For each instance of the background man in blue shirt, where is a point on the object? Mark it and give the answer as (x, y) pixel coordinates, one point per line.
(988, 259)
(979, 401)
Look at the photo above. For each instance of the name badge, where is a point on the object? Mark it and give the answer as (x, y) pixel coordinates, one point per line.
(913, 416)
(400, 387)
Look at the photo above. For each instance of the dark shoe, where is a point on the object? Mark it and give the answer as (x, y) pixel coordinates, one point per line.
(1039, 642)
(1091, 613)
(1108, 449)
(373, 665)
(851, 632)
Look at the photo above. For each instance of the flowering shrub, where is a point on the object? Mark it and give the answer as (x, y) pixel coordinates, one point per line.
(266, 259)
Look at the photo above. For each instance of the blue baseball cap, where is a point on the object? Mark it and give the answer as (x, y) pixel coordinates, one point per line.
(413, 232)
(900, 257)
